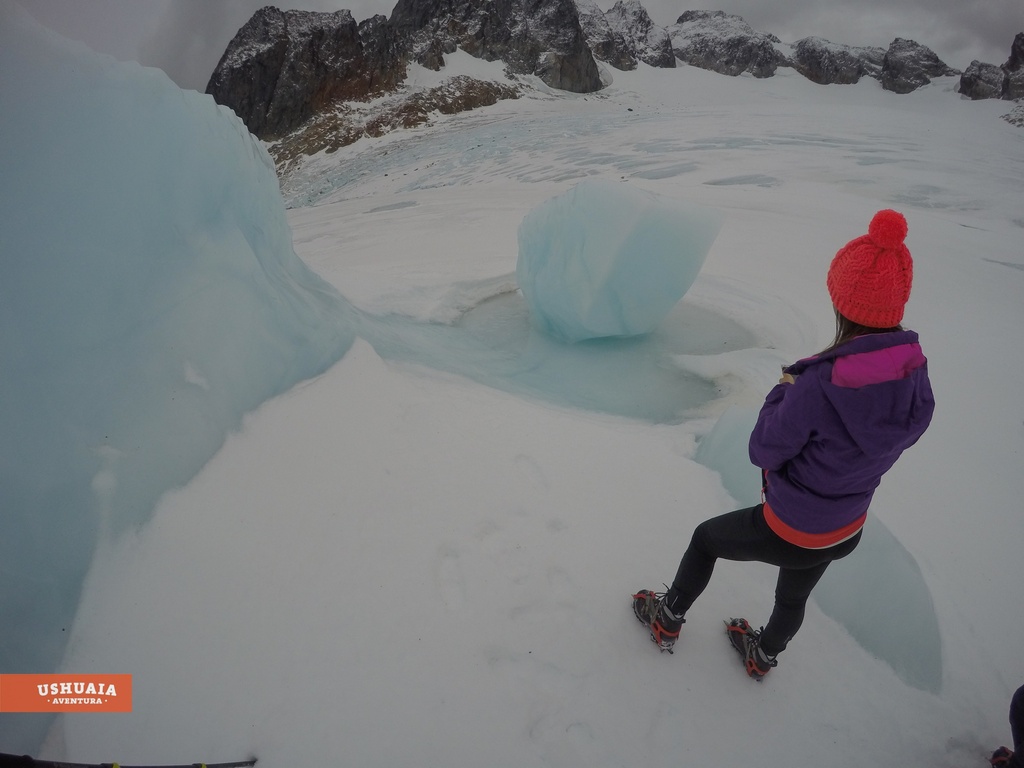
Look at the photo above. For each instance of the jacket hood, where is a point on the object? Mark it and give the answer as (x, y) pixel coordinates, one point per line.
(879, 387)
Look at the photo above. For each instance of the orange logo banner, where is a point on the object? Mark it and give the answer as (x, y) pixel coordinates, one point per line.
(65, 693)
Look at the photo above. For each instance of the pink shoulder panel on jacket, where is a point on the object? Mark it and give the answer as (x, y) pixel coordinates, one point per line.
(889, 364)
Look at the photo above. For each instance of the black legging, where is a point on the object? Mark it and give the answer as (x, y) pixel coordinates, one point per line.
(1017, 728)
(744, 535)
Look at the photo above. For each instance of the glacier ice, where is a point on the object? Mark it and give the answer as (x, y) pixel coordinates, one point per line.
(877, 593)
(149, 297)
(606, 259)
(724, 449)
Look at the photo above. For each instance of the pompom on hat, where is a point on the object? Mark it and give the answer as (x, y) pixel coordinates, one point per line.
(870, 277)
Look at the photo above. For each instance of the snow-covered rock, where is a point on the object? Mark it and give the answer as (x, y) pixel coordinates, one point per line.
(645, 40)
(908, 65)
(826, 62)
(284, 67)
(983, 81)
(606, 43)
(724, 43)
(532, 38)
(1014, 68)
(987, 81)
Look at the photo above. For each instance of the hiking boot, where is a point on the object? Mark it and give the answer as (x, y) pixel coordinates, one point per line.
(1001, 757)
(747, 642)
(652, 612)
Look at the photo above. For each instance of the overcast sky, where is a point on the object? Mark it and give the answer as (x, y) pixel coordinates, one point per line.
(187, 37)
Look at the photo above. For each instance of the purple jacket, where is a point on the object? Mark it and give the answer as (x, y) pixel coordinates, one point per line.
(826, 440)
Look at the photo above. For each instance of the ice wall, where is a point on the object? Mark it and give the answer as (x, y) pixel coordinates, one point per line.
(608, 260)
(877, 593)
(149, 297)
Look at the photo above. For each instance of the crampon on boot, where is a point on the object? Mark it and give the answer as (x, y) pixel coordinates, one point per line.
(1001, 757)
(652, 612)
(747, 643)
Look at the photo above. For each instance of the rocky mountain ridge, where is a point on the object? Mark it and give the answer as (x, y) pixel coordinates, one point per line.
(298, 78)
(988, 81)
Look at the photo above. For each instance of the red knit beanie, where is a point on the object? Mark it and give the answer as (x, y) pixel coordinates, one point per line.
(869, 280)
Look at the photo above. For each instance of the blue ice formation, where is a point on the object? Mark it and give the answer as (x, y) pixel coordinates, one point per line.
(149, 297)
(877, 593)
(605, 259)
(724, 449)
